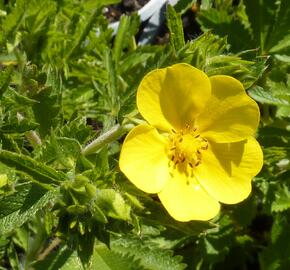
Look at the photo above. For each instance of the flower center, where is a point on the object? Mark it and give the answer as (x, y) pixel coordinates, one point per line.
(186, 147)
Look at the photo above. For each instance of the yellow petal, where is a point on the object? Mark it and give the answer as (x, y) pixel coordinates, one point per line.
(230, 114)
(226, 170)
(173, 96)
(187, 201)
(144, 160)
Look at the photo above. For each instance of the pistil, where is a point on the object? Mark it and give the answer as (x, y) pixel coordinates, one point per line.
(186, 147)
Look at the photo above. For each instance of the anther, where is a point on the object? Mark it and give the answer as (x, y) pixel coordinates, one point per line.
(172, 148)
(197, 163)
(181, 139)
(197, 136)
(204, 147)
(172, 158)
(198, 152)
(176, 162)
(173, 131)
(190, 164)
(183, 159)
(195, 129)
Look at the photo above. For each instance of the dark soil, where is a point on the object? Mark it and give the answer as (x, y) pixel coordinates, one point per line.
(114, 12)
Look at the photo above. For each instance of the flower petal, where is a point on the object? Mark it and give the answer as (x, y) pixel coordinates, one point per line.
(226, 170)
(185, 202)
(143, 159)
(173, 96)
(230, 114)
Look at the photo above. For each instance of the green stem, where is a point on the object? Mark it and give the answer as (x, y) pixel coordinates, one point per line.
(111, 135)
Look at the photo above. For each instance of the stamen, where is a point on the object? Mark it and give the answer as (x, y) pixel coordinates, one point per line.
(205, 147)
(186, 148)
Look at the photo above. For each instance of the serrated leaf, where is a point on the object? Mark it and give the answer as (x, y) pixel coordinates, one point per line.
(128, 28)
(183, 5)
(282, 199)
(5, 77)
(62, 259)
(279, 39)
(62, 152)
(150, 257)
(46, 110)
(16, 126)
(82, 34)
(262, 17)
(174, 25)
(106, 259)
(224, 24)
(38, 171)
(276, 255)
(17, 208)
(266, 97)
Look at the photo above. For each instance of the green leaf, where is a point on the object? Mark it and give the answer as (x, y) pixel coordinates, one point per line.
(108, 2)
(128, 28)
(266, 97)
(183, 5)
(62, 152)
(174, 25)
(106, 259)
(112, 204)
(279, 39)
(149, 256)
(46, 110)
(222, 23)
(12, 255)
(282, 199)
(262, 15)
(38, 171)
(276, 255)
(80, 36)
(18, 207)
(5, 77)
(62, 259)
(16, 126)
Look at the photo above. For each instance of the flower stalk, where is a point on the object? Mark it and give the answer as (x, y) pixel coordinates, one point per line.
(111, 135)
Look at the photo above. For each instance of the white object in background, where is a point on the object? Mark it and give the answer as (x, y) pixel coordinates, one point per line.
(152, 8)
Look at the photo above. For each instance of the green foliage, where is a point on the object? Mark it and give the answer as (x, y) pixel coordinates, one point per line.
(276, 255)
(149, 256)
(22, 205)
(67, 97)
(175, 27)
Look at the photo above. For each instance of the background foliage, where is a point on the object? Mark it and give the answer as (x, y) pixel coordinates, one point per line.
(66, 80)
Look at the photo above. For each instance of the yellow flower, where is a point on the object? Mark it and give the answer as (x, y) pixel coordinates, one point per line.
(198, 147)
